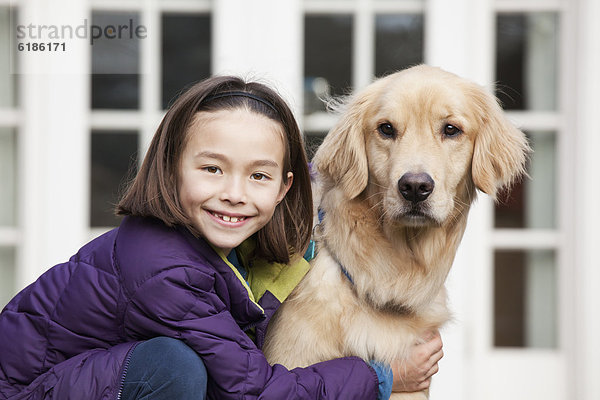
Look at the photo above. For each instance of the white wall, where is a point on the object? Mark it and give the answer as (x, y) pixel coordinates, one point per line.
(53, 157)
(250, 43)
(586, 263)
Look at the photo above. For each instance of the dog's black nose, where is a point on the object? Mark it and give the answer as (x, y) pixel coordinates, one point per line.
(415, 187)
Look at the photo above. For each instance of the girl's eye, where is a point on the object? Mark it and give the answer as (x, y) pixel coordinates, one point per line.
(451, 130)
(259, 177)
(386, 130)
(212, 170)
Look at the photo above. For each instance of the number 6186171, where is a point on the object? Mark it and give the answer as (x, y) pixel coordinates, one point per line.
(43, 46)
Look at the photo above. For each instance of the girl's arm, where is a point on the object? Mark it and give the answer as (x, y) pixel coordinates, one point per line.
(182, 303)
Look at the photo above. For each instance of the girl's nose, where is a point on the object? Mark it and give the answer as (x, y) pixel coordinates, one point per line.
(234, 191)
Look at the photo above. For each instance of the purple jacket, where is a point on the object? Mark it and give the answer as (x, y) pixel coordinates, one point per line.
(71, 330)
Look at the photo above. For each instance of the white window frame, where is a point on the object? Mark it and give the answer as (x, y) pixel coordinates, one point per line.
(363, 13)
(147, 117)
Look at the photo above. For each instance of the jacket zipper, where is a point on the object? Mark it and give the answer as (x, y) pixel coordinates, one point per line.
(254, 324)
(125, 368)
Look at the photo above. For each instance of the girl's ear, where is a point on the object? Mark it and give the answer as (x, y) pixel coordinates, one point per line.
(342, 158)
(500, 150)
(285, 187)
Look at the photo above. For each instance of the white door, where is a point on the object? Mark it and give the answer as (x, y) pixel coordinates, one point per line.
(508, 283)
(506, 287)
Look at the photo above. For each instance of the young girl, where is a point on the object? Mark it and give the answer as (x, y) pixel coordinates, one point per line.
(173, 304)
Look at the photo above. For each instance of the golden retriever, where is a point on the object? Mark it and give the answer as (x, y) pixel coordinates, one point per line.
(398, 174)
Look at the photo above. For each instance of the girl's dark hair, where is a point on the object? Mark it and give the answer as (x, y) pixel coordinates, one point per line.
(154, 190)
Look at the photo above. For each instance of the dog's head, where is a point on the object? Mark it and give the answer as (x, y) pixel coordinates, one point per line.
(417, 142)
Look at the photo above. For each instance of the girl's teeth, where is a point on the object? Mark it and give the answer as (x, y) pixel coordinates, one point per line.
(227, 218)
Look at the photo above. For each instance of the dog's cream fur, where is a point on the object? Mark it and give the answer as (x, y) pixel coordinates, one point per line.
(398, 258)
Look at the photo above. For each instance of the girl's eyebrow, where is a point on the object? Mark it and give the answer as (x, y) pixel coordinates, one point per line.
(210, 154)
(222, 157)
(265, 163)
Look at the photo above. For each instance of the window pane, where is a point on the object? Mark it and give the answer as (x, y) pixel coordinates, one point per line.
(526, 61)
(186, 52)
(113, 157)
(7, 275)
(531, 203)
(8, 59)
(525, 299)
(8, 173)
(116, 60)
(327, 58)
(398, 42)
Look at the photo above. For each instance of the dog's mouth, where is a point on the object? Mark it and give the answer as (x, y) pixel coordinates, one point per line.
(399, 214)
(416, 216)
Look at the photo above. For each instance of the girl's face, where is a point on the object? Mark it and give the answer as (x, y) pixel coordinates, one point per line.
(231, 175)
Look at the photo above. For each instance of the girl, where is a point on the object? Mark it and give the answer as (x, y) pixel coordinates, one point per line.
(173, 304)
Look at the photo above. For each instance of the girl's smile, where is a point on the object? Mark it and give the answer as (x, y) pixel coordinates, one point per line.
(231, 175)
(229, 219)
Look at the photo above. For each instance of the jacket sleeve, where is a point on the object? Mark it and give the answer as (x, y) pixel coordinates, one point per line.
(183, 304)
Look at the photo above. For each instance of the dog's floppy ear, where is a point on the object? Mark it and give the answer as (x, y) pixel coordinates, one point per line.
(500, 149)
(342, 157)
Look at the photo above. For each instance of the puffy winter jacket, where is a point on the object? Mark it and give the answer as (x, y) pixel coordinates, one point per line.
(70, 332)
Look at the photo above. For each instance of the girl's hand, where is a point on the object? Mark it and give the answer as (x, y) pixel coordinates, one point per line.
(415, 374)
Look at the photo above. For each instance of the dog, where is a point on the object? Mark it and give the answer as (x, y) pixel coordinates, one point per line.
(397, 174)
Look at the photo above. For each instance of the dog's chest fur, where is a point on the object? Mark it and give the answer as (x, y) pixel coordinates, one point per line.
(372, 333)
(377, 312)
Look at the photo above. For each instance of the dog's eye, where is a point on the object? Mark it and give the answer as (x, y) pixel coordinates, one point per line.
(451, 130)
(386, 130)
